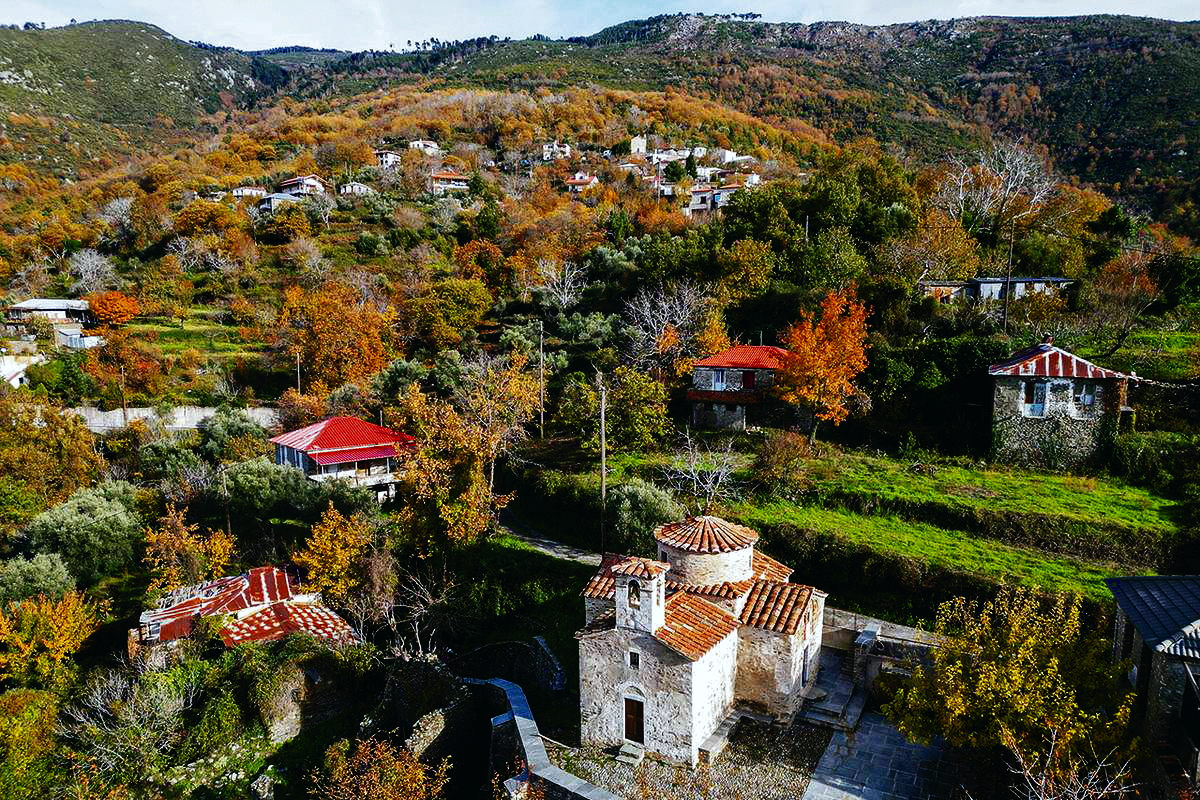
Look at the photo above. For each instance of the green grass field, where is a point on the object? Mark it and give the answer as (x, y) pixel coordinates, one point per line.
(198, 332)
(952, 550)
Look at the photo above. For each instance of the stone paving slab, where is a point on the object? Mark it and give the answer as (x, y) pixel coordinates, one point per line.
(875, 762)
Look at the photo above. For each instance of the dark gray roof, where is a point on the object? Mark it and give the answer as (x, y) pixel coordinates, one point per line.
(1165, 609)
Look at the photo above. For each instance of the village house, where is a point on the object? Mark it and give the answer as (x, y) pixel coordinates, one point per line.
(637, 146)
(980, 289)
(249, 191)
(69, 318)
(347, 448)
(1157, 631)
(261, 605)
(1049, 407)
(303, 185)
(580, 182)
(387, 159)
(726, 386)
(442, 182)
(555, 151)
(425, 146)
(355, 188)
(57, 311)
(673, 647)
(276, 200)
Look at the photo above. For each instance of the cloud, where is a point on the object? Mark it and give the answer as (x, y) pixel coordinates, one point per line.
(379, 24)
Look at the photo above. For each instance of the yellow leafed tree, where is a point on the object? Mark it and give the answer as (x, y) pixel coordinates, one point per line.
(39, 637)
(334, 552)
(177, 555)
(376, 770)
(824, 356)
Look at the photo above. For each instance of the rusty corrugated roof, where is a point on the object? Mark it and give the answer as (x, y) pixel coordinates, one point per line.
(746, 356)
(1047, 361)
(176, 613)
(776, 607)
(706, 535)
(694, 626)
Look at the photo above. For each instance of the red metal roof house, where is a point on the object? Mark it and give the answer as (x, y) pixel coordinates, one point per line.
(1049, 406)
(345, 447)
(724, 385)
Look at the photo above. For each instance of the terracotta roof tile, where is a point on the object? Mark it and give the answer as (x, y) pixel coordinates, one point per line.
(640, 567)
(282, 619)
(746, 356)
(694, 626)
(603, 586)
(706, 535)
(776, 607)
(768, 568)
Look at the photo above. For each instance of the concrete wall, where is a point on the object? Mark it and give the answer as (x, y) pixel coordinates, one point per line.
(180, 417)
(663, 682)
(705, 569)
(1065, 434)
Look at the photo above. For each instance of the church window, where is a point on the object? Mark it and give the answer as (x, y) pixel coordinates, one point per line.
(635, 659)
(635, 594)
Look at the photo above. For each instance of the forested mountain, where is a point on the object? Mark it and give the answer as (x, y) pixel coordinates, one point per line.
(1115, 100)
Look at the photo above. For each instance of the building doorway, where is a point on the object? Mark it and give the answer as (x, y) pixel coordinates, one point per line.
(635, 730)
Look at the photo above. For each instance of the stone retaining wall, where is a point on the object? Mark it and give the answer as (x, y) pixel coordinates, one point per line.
(517, 740)
(179, 418)
(530, 663)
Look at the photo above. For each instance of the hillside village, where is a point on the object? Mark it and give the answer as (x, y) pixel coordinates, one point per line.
(426, 441)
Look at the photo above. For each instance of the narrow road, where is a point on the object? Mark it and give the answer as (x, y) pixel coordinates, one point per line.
(537, 541)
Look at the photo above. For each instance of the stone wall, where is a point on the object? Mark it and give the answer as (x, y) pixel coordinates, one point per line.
(718, 415)
(516, 740)
(594, 607)
(530, 663)
(768, 670)
(663, 682)
(714, 679)
(180, 418)
(702, 378)
(1168, 677)
(1065, 435)
(705, 569)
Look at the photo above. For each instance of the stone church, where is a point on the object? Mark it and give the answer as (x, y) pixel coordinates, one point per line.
(671, 645)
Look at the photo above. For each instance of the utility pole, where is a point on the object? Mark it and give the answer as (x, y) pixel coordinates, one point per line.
(541, 379)
(297, 372)
(124, 404)
(1008, 277)
(603, 390)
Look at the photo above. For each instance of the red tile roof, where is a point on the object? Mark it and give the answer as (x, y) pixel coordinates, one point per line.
(447, 176)
(769, 569)
(746, 356)
(694, 626)
(706, 535)
(776, 607)
(1047, 361)
(603, 585)
(640, 567)
(283, 619)
(342, 433)
(176, 614)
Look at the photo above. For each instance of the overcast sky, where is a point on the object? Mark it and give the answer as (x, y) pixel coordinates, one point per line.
(377, 24)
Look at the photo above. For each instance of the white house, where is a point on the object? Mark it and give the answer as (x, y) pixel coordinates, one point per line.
(671, 645)
(637, 145)
(249, 191)
(12, 367)
(387, 159)
(276, 200)
(425, 146)
(302, 185)
(54, 309)
(447, 182)
(581, 181)
(355, 188)
(555, 151)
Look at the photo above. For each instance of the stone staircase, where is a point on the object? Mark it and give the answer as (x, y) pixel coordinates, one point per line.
(834, 701)
(631, 754)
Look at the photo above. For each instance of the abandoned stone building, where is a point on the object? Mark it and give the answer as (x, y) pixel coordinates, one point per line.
(728, 389)
(671, 646)
(1157, 630)
(1050, 407)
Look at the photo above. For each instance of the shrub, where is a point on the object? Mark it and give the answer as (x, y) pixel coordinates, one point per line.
(635, 509)
(223, 435)
(220, 723)
(1165, 463)
(45, 573)
(777, 467)
(95, 531)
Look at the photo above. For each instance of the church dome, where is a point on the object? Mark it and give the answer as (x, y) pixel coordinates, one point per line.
(704, 551)
(705, 535)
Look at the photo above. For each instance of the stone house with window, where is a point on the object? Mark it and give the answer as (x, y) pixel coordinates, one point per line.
(1049, 407)
(1156, 630)
(728, 388)
(672, 646)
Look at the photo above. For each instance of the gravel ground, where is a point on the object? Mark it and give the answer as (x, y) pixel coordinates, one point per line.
(758, 764)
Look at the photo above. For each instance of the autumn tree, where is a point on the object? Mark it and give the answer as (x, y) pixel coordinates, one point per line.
(448, 309)
(112, 309)
(91, 272)
(334, 552)
(746, 269)
(285, 224)
(1124, 290)
(499, 397)
(204, 216)
(178, 555)
(39, 638)
(338, 338)
(824, 356)
(663, 324)
(27, 743)
(636, 417)
(375, 770)
(444, 490)
(1009, 671)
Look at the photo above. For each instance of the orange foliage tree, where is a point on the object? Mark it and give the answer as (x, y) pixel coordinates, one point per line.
(334, 553)
(177, 555)
(39, 637)
(824, 356)
(338, 338)
(376, 770)
(113, 308)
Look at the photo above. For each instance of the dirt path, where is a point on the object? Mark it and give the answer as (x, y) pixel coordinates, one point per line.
(548, 546)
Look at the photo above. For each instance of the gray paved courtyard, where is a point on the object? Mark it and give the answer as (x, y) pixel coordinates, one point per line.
(876, 763)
